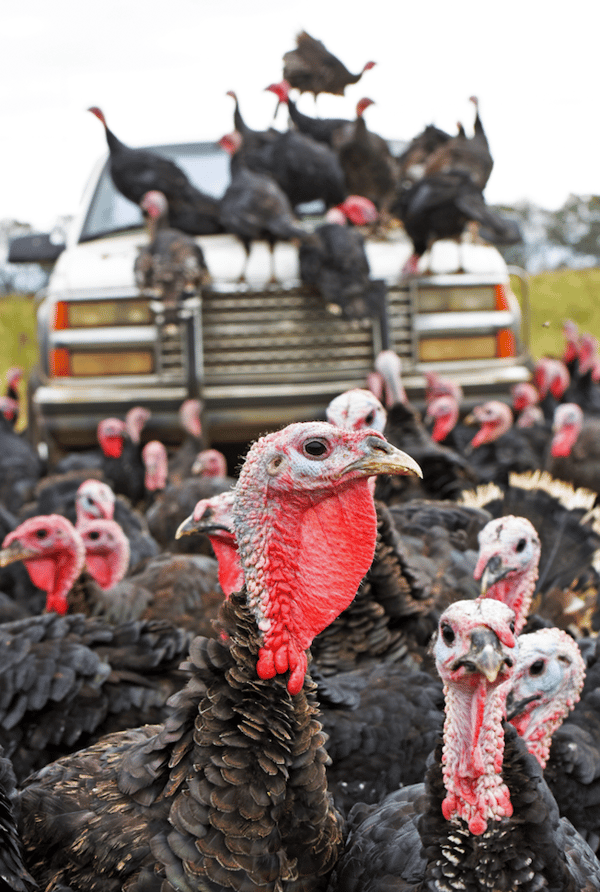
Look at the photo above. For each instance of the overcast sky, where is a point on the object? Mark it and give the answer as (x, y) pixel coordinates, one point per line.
(159, 69)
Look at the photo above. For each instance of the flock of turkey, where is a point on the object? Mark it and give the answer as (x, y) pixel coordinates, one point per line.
(434, 189)
(367, 662)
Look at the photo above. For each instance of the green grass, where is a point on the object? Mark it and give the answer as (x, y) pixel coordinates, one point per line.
(18, 345)
(556, 296)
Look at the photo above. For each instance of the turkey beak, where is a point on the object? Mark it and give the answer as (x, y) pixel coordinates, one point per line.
(16, 551)
(187, 527)
(202, 525)
(486, 654)
(493, 572)
(383, 458)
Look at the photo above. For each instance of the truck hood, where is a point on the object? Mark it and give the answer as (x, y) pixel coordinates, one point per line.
(107, 263)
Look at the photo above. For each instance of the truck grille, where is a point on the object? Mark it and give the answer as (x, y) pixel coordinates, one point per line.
(281, 336)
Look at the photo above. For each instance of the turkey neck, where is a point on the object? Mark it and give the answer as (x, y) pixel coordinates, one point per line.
(258, 768)
(517, 593)
(473, 753)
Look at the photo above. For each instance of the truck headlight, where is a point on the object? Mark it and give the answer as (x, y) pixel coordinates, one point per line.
(100, 313)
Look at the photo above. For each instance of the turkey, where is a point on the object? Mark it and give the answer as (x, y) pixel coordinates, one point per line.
(321, 129)
(254, 207)
(412, 161)
(231, 790)
(575, 447)
(311, 68)
(546, 686)
(15, 877)
(507, 565)
(137, 171)
(182, 460)
(583, 388)
(461, 153)
(499, 448)
(20, 466)
(172, 266)
(573, 766)
(484, 818)
(334, 262)
(369, 167)
(251, 138)
(552, 379)
(67, 680)
(14, 377)
(156, 465)
(566, 524)
(121, 446)
(440, 206)
(214, 518)
(508, 561)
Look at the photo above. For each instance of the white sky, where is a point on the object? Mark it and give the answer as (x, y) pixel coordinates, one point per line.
(160, 71)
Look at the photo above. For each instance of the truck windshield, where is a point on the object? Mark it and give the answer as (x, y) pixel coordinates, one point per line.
(206, 164)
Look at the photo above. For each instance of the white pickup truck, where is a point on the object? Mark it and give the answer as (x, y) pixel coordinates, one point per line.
(259, 355)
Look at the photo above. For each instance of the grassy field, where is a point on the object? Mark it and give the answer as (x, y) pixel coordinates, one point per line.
(560, 295)
(554, 296)
(18, 345)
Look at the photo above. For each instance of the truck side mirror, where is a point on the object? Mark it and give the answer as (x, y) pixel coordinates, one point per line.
(43, 247)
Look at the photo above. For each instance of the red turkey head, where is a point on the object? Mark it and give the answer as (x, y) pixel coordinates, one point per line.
(9, 408)
(231, 142)
(566, 426)
(507, 564)
(356, 410)
(106, 551)
(93, 500)
(214, 517)
(438, 386)
(305, 524)
(548, 679)
(443, 411)
(523, 395)
(111, 436)
(155, 205)
(14, 376)
(135, 422)
(362, 105)
(475, 654)
(96, 111)
(281, 90)
(156, 464)
(190, 414)
(358, 210)
(53, 554)
(495, 419)
(210, 463)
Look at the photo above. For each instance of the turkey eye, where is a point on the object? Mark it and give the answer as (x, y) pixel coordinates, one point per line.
(520, 545)
(448, 633)
(315, 448)
(41, 534)
(370, 418)
(536, 668)
(512, 627)
(94, 534)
